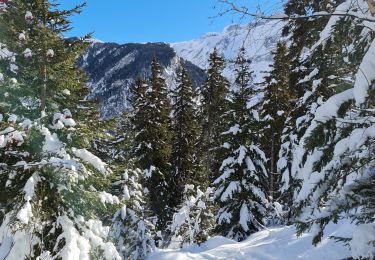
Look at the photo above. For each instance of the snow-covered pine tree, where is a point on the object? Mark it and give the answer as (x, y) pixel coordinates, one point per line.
(337, 147)
(326, 65)
(52, 197)
(330, 64)
(152, 145)
(276, 105)
(194, 221)
(240, 191)
(33, 30)
(133, 229)
(138, 99)
(302, 34)
(185, 158)
(214, 105)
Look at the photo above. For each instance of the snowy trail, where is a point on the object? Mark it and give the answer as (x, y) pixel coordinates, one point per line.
(272, 244)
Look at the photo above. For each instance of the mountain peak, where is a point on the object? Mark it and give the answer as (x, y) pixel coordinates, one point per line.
(259, 38)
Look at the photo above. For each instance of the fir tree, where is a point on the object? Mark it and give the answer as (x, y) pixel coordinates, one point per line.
(240, 191)
(275, 108)
(185, 138)
(52, 192)
(214, 105)
(139, 118)
(332, 169)
(303, 34)
(194, 221)
(133, 229)
(152, 144)
(330, 71)
(34, 29)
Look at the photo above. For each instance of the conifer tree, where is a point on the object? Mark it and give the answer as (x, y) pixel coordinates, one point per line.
(185, 159)
(330, 67)
(214, 105)
(33, 30)
(275, 108)
(139, 117)
(303, 34)
(133, 229)
(333, 151)
(194, 221)
(240, 191)
(52, 195)
(152, 144)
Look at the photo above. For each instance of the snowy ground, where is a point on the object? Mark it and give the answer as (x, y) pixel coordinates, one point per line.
(272, 244)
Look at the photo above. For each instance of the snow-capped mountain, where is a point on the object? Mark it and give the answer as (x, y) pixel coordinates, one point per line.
(259, 39)
(113, 67)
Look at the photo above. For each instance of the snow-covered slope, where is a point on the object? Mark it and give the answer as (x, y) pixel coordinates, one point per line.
(259, 39)
(270, 244)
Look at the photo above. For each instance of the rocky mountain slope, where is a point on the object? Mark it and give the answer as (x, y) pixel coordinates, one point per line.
(113, 67)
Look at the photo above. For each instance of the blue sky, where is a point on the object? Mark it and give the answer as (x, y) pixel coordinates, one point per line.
(125, 21)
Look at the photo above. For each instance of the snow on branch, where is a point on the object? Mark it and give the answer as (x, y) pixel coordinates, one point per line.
(360, 14)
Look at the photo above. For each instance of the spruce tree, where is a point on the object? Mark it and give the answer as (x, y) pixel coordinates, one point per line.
(275, 108)
(330, 71)
(53, 194)
(33, 29)
(194, 221)
(139, 118)
(132, 227)
(214, 105)
(333, 151)
(240, 191)
(152, 144)
(185, 159)
(303, 33)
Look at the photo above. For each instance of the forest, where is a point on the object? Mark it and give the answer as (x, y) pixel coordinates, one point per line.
(184, 164)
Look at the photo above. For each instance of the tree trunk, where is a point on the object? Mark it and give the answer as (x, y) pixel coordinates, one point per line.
(371, 6)
(272, 167)
(43, 92)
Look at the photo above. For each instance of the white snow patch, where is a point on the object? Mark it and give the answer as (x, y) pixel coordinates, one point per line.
(276, 243)
(91, 159)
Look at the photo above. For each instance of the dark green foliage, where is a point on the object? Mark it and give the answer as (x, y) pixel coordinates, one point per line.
(240, 191)
(185, 159)
(214, 106)
(275, 108)
(303, 33)
(152, 144)
(40, 173)
(45, 74)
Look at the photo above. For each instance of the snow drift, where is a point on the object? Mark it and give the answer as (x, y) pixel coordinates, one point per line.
(270, 244)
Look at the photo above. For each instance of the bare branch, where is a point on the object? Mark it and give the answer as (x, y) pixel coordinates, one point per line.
(244, 11)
